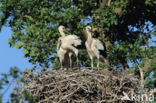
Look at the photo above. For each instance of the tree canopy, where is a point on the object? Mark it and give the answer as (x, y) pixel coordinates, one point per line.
(10, 82)
(127, 27)
(124, 26)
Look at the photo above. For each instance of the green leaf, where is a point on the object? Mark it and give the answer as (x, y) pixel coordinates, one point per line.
(25, 51)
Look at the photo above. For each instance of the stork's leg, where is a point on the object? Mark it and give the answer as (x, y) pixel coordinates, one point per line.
(61, 64)
(97, 56)
(76, 54)
(98, 63)
(74, 50)
(70, 54)
(91, 61)
(77, 60)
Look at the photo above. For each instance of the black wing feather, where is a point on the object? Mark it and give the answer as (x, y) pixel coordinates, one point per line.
(103, 52)
(59, 44)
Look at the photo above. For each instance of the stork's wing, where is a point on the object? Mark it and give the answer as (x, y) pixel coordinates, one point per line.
(99, 45)
(102, 48)
(73, 40)
(59, 43)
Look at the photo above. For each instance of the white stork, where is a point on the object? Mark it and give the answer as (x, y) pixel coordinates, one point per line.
(67, 45)
(95, 47)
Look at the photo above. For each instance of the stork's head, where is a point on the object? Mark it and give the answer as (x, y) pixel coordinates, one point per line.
(88, 28)
(61, 28)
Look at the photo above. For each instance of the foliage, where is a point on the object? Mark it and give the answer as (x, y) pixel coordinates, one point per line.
(126, 27)
(11, 80)
(34, 25)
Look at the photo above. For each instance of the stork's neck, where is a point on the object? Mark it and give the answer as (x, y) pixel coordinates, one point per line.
(89, 35)
(62, 34)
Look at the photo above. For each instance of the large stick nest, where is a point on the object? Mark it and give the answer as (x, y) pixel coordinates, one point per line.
(80, 86)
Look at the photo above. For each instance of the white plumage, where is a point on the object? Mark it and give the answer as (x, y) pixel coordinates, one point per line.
(93, 46)
(67, 45)
(72, 40)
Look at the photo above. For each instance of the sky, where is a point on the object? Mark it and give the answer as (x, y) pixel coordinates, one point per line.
(10, 57)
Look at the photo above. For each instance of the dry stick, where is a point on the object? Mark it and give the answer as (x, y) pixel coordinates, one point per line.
(61, 85)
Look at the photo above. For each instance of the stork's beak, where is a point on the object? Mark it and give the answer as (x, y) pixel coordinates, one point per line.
(65, 31)
(93, 29)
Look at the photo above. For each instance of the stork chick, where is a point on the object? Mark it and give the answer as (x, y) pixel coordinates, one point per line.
(94, 47)
(67, 44)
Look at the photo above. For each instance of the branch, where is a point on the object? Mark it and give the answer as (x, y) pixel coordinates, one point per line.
(79, 85)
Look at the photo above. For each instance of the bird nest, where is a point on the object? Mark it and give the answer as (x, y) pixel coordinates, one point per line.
(80, 86)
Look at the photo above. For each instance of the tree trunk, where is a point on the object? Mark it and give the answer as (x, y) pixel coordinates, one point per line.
(107, 63)
(103, 3)
(142, 78)
(142, 82)
(124, 63)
